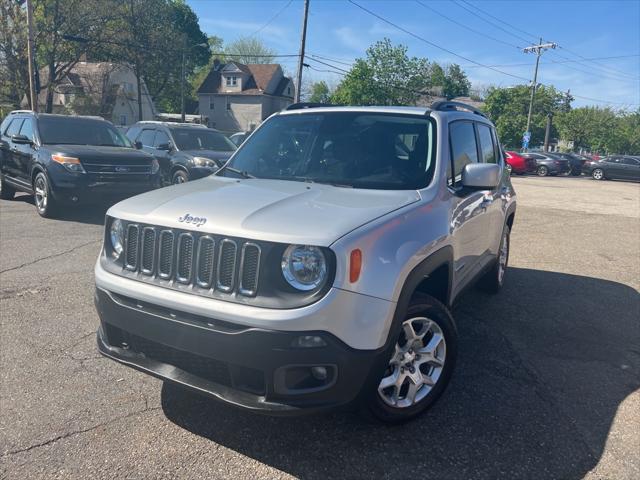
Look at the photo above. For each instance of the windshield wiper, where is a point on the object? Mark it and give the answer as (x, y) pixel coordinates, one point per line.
(242, 173)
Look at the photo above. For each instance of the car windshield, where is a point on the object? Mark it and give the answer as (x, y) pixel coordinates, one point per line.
(354, 149)
(80, 131)
(201, 139)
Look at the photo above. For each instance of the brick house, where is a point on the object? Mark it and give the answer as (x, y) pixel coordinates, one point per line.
(238, 97)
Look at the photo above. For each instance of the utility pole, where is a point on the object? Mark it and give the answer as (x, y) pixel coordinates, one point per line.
(32, 84)
(537, 49)
(301, 57)
(547, 132)
(182, 109)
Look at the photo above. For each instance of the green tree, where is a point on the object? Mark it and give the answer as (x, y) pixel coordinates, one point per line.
(508, 108)
(601, 129)
(250, 50)
(200, 73)
(387, 76)
(319, 93)
(456, 83)
(14, 76)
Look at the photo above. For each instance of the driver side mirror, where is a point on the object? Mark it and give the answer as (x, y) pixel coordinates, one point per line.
(481, 175)
(138, 145)
(165, 146)
(21, 140)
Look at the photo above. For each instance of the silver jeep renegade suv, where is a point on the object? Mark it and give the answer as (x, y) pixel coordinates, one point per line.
(316, 268)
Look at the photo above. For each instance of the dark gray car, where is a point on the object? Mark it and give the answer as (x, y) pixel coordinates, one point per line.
(185, 151)
(549, 164)
(619, 167)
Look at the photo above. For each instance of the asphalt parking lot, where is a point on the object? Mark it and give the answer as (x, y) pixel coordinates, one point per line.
(547, 384)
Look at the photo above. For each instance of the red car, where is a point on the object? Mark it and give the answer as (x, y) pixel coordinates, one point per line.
(519, 164)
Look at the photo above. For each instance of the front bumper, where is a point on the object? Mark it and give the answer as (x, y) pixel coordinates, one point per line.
(254, 368)
(90, 188)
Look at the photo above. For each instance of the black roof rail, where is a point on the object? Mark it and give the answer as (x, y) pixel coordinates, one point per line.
(449, 105)
(303, 105)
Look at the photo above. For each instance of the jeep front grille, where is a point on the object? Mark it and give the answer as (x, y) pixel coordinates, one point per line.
(202, 261)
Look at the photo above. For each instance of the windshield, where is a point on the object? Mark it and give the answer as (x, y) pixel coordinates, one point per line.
(79, 131)
(355, 149)
(201, 139)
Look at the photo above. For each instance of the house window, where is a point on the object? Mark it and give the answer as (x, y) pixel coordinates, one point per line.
(228, 104)
(288, 90)
(232, 81)
(123, 119)
(211, 103)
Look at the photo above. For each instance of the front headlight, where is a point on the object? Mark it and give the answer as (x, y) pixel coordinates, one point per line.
(204, 162)
(116, 236)
(304, 267)
(70, 163)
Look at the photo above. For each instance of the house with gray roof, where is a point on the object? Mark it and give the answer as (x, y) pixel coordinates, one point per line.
(238, 97)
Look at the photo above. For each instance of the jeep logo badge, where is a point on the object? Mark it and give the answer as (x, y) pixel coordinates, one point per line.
(122, 169)
(197, 221)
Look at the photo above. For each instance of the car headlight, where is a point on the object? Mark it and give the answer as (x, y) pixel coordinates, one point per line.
(204, 162)
(304, 267)
(155, 166)
(116, 236)
(70, 163)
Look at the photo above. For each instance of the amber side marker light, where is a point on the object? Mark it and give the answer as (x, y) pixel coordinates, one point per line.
(355, 265)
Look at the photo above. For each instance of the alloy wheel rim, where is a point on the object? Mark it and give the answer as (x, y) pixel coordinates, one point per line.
(503, 258)
(416, 364)
(597, 174)
(178, 179)
(542, 171)
(41, 193)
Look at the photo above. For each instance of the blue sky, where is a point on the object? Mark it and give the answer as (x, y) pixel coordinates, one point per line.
(342, 32)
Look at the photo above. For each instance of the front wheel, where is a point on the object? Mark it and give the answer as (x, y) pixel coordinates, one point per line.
(45, 203)
(180, 176)
(598, 174)
(542, 171)
(421, 363)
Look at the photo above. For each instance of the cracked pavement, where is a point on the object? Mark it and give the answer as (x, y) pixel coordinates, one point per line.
(547, 384)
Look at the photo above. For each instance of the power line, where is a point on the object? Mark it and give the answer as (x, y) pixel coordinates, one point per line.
(422, 39)
(482, 34)
(498, 26)
(342, 70)
(606, 69)
(506, 65)
(348, 64)
(602, 67)
(277, 14)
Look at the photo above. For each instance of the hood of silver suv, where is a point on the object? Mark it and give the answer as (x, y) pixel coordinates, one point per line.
(270, 210)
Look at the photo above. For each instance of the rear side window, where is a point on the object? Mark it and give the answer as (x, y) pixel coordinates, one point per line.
(629, 161)
(27, 129)
(146, 137)
(132, 133)
(486, 144)
(462, 138)
(14, 127)
(161, 138)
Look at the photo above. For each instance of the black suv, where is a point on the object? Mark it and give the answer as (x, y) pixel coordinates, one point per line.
(68, 159)
(185, 151)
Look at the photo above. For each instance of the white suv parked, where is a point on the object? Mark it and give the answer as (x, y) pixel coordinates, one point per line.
(315, 269)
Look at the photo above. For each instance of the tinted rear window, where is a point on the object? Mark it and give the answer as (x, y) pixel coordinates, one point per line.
(79, 131)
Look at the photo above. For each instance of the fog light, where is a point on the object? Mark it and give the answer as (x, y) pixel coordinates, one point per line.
(308, 341)
(319, 373)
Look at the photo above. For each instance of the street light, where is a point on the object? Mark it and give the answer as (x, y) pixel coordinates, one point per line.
(184, 49)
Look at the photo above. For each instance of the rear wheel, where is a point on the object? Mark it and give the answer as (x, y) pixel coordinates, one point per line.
(542, 171)
(493, 280)
(421, 363)
(45, 203)
(6, 192)
(180, 176)
(598, 174)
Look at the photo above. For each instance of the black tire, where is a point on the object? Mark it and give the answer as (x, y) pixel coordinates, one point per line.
(598, 174)
(6, 192)
(179, 176)
(493, 280)
(542, 171)
(46, 205)
(430, 308)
